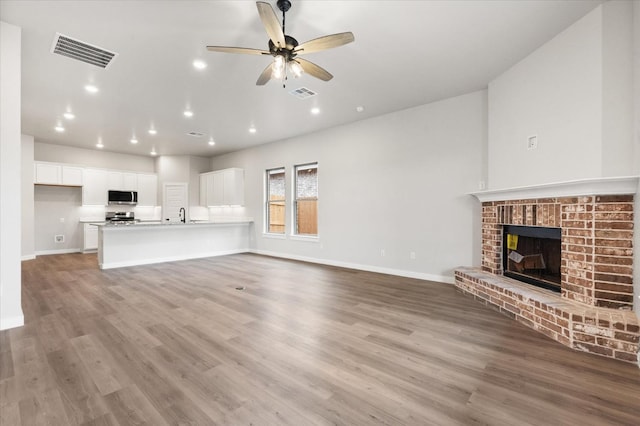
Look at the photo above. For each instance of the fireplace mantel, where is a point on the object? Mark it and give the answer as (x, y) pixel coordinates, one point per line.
(600, 186)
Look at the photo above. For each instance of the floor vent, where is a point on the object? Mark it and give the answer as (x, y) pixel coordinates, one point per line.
(81, 51)
(196, 134)
(303, 93)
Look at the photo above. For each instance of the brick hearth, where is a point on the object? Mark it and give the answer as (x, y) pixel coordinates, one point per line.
(593, 313)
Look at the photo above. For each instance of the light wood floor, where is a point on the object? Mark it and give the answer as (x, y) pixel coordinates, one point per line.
(302, 344)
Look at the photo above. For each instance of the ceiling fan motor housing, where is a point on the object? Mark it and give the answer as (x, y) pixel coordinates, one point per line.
(287, 51)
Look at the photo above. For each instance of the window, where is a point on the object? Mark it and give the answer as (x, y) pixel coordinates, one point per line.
(275, 201)
(306, 199)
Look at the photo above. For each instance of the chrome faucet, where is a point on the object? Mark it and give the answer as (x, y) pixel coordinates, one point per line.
(183, 215)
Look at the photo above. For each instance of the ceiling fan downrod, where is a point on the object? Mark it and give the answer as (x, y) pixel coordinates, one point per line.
(284, 6)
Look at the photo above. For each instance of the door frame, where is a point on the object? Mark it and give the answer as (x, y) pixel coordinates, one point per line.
(164, 198)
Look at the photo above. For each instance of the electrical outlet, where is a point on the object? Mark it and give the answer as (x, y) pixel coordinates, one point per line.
(532, 142)
(58, 239)
(383, 253)
(482, 185)
(62, 220)
(412, 255)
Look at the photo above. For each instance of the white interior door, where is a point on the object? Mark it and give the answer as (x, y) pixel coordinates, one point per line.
(174, 197)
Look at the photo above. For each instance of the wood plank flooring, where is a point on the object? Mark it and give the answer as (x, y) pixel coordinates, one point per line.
(302, 344)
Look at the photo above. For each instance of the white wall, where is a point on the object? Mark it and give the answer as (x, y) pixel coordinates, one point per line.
(617, 88)
(197, 165)
(28, 237)
(556, 94)
(574, 93)
(636, 144)
(57, 212)
(93, 158)
(10, 173)
(396, 182)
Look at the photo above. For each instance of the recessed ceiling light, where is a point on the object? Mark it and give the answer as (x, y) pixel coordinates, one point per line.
(134, 141)
(188, 113)
(59, 128)
(69, 115)
(199, 64)
(360, 108)
(211, 142)
(252, 130)
(153, 131)
(315, 111)
(91, 88)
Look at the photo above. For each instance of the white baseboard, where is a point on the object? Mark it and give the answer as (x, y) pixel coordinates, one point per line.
(12, 322)
(369, 268)
(59, 251)
(28, 257)
(112, 265)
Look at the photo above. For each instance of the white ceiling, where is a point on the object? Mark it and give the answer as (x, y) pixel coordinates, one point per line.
(406, 53)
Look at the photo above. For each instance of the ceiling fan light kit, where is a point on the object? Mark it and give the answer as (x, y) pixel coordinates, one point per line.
(286, 49)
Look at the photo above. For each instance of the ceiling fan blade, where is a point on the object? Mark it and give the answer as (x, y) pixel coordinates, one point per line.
(271, 23)
(265, 76)
(244, 50)
(314, 70)
(323, 43)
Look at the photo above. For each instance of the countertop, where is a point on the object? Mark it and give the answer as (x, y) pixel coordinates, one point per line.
(159, 224)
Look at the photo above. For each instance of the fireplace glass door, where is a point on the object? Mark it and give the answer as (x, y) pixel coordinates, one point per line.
(532, 254)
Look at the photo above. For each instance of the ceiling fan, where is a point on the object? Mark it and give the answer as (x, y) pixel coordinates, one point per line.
(285, 49)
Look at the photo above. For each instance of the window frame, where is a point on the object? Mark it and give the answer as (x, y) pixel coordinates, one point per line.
(294, 210)
(268, 202)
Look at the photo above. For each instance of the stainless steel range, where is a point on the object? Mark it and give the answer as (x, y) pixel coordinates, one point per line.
(120, 218)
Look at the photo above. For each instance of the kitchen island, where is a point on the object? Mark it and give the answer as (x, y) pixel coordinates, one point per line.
(146, 243)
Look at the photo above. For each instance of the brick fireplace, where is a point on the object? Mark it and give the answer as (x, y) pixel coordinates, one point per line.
(593, 312)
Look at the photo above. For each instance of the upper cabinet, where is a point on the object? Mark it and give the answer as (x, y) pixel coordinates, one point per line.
(96, 183)
(57, 174)
(147, 189)
(122, 181)
(94, 190)
(222, 188)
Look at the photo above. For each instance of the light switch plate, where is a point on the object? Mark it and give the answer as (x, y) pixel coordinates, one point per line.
(532, 142)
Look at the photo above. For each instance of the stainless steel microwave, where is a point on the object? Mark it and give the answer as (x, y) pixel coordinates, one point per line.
(123, 197)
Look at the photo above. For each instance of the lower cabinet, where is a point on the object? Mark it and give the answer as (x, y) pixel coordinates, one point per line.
(90, 237)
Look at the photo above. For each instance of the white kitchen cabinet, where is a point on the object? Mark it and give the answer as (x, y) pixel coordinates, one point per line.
(94, 190)
(233, 187)
(122, 181)
(47, 173)
(114, 181)
(203, 189)
(215, 189)
(147, 189)
(56, 174)
(129, 181)
(222, 188)
(71, 176)
(90, 237)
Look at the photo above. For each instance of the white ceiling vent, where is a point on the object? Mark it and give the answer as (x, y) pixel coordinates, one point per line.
(196, 134)
(81, 51)
(303, 93)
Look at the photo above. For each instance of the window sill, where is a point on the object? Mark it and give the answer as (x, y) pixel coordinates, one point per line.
(310, 238)
(274, 236)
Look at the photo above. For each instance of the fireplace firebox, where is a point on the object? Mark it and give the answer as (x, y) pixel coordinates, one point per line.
(532, 254)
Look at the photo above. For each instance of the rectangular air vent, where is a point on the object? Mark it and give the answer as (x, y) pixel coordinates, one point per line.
(196, 134)
(303, 93)
(81, 51)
